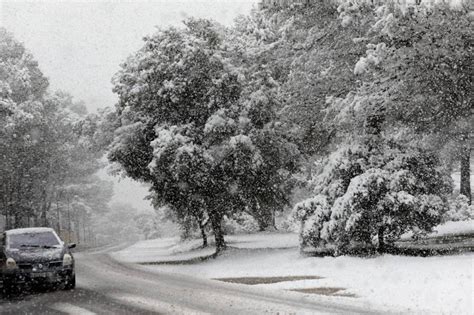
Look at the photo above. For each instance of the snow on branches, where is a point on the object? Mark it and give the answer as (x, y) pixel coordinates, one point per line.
(373, 197)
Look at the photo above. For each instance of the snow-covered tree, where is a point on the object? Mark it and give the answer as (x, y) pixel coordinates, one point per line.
(417, 73)
(459, 209)
(371, 195)
(192, 126)
(388, 178)
(323, 53)
(240, 223)
(42, 150)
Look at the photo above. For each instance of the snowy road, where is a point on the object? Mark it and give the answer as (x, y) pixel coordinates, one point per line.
(108, 287)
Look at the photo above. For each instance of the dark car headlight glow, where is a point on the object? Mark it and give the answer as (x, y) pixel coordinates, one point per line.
(67, 260)
(11, 264)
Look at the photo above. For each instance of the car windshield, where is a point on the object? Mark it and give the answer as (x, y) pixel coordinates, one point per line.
(32, 240)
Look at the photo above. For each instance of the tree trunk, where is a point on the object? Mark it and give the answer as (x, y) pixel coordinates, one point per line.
(274, 220)
(216, 221)
(44, 218)
(466, 172)
(262, 224)
(58, 214)
(381, 248)
(7, 221)
(264, 219)
(77, 227)
(202, 222)
(84, 227)
(68, 222)
(203, 235)
(302, 240)
(17, 223)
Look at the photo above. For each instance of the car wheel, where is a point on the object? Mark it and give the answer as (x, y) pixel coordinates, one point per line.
(70, 282)
(9, 288)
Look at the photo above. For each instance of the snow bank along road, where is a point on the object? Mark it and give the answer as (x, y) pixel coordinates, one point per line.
(108, 287)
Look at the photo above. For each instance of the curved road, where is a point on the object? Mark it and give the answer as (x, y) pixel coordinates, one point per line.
(108, 287)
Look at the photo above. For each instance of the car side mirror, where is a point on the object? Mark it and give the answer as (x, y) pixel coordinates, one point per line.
(71, 246)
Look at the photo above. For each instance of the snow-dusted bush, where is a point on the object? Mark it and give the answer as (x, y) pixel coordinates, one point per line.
(312, 213)
(287, 223)
(246, 223)
(459, 209)
(374, 196)
(240, 223)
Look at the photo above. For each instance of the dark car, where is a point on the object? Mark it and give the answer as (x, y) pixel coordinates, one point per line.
(35, 255)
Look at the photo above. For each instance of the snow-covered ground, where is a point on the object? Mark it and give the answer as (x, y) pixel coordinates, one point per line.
(458, 227)
(442, 284)
(449, 228)
(170, 249)
(430, 285)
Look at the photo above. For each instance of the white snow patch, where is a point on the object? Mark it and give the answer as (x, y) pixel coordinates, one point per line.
(171, 249)
(29, 230)
(164, 249)
(71, 309)
(153, 305)
(417, 284)
(427, 285)
(451, 227)
(264, 240)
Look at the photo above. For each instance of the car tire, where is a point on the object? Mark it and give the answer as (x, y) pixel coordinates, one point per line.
(70, 282)
(8, 288)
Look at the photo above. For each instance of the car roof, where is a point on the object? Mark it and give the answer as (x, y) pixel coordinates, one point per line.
(29, 230)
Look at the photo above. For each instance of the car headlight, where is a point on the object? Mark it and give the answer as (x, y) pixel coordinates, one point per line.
(11, 263)
(67, 260)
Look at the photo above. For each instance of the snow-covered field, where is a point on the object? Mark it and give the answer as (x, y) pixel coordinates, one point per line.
(408, 284)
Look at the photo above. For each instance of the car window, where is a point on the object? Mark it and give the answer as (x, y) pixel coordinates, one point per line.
(31, 240)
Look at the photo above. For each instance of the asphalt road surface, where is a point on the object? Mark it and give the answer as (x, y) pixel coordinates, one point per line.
(108, 287)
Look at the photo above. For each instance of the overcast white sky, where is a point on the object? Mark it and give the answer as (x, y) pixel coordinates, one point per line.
(80, 44)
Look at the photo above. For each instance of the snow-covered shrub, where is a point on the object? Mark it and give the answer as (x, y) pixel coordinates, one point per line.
(287, 223)
(371, 197)
(240, 223)
(459, 209)
(312, 213)
(374, 55)
(246, 222)
(347, 10)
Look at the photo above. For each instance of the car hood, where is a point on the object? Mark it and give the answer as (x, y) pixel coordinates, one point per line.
(36, 254)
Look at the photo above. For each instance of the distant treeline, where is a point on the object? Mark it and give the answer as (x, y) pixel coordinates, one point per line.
(267, 4)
